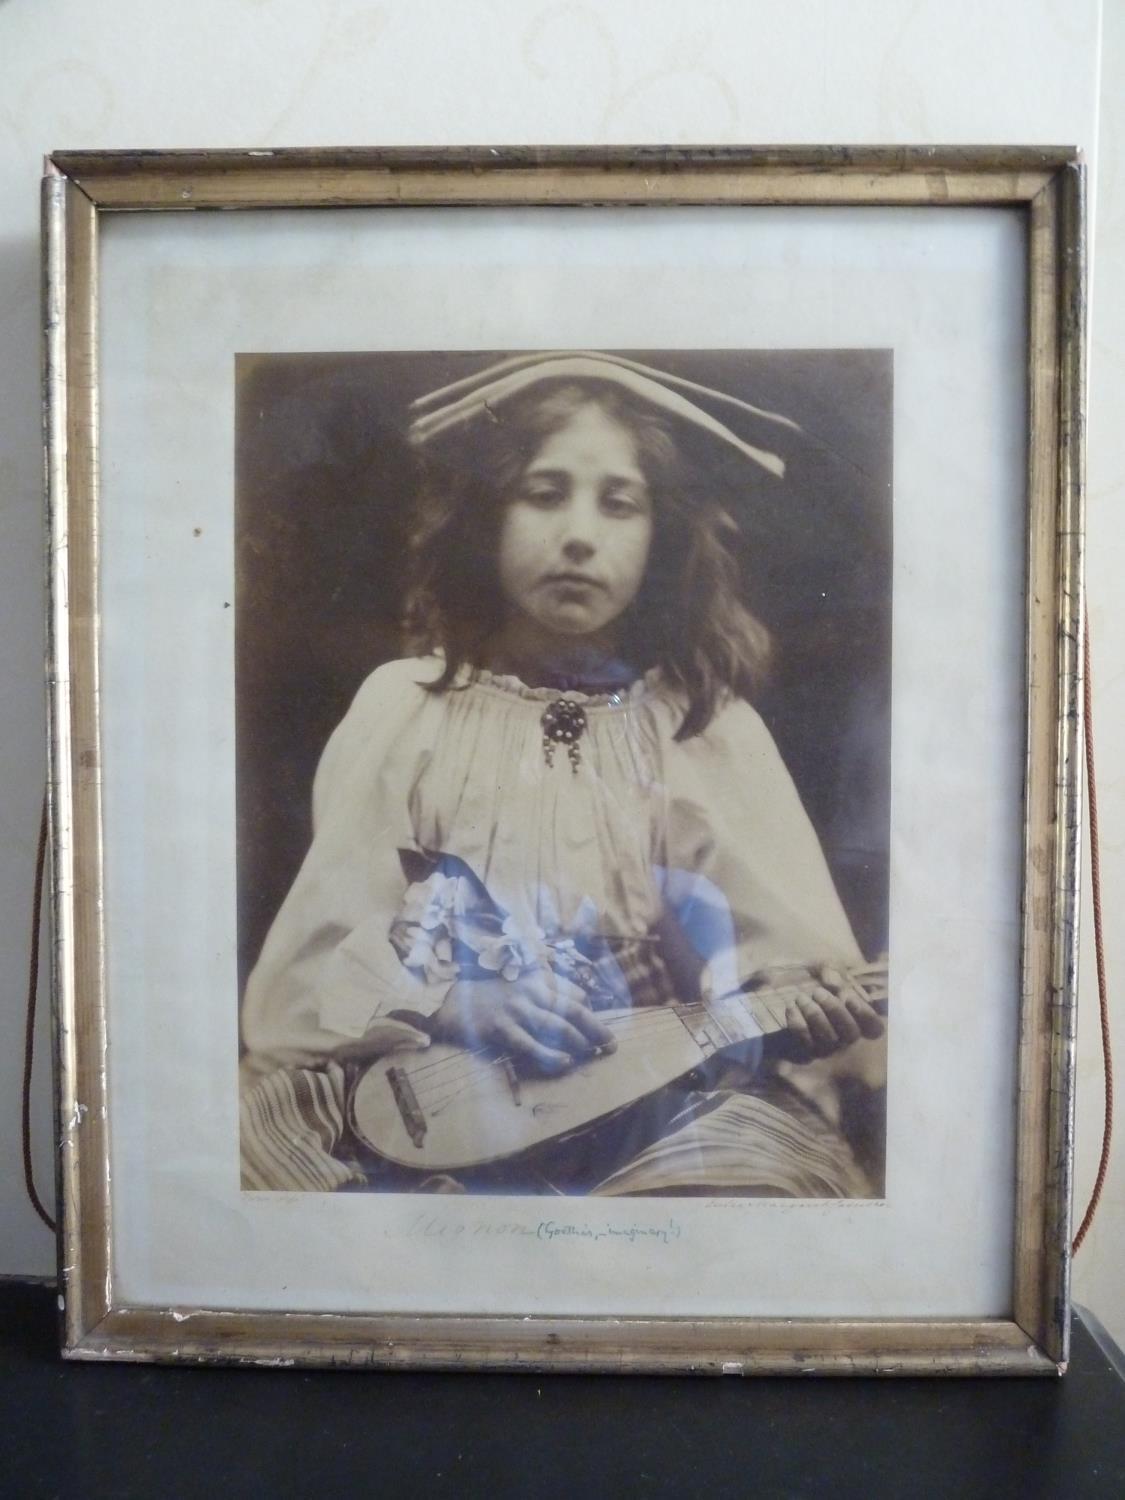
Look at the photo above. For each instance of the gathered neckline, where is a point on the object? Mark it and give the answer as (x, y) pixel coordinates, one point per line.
(512, 686)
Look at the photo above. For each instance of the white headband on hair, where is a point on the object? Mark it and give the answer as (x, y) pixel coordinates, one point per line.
(465, 400)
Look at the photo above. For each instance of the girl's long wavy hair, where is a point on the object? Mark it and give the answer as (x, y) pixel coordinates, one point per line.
(688, 618)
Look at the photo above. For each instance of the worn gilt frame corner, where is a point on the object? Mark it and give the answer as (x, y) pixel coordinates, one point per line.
(1047, 186)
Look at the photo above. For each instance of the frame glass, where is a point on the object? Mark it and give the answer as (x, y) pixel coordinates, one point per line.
(628, 999)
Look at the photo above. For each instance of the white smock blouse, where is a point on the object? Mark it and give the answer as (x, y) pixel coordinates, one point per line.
(442, 828)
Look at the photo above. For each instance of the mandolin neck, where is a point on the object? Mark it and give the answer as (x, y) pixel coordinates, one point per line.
(749, 1014)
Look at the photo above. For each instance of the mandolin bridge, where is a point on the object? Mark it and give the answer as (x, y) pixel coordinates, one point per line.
(408, 1106)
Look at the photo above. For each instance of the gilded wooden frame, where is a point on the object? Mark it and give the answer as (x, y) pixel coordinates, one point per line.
(1046, 185)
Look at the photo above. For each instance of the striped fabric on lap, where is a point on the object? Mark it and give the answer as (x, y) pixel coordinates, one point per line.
(292, 1122)
(740, 1143)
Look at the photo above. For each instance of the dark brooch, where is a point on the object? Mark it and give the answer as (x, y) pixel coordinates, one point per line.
(564, 723)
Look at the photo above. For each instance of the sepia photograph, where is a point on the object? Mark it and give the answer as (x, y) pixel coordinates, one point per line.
(563, 748)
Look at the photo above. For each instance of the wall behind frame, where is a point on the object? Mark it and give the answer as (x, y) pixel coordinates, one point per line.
(398, 74)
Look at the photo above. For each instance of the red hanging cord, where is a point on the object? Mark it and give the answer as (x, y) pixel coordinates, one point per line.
(1099, 949)
(29, 1033)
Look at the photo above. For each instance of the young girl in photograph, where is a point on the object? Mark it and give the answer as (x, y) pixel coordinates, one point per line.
(559, 807)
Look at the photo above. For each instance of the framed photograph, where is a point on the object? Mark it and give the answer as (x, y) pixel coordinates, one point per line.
(564, 702)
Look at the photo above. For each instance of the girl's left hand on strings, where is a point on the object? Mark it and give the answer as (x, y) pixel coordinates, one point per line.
(541, 1020)
(829, 1011)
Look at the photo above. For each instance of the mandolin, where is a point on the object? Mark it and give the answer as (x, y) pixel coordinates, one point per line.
(452, 1107)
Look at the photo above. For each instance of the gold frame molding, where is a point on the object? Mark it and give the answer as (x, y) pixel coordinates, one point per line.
(1047, 185)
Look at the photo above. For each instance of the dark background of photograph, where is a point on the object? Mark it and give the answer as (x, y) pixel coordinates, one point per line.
(323, 478)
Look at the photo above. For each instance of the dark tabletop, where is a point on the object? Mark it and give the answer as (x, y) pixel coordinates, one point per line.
(83, 1430)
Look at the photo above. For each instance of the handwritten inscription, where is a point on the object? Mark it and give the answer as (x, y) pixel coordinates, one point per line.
(634, 1233)
(430, 1225)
